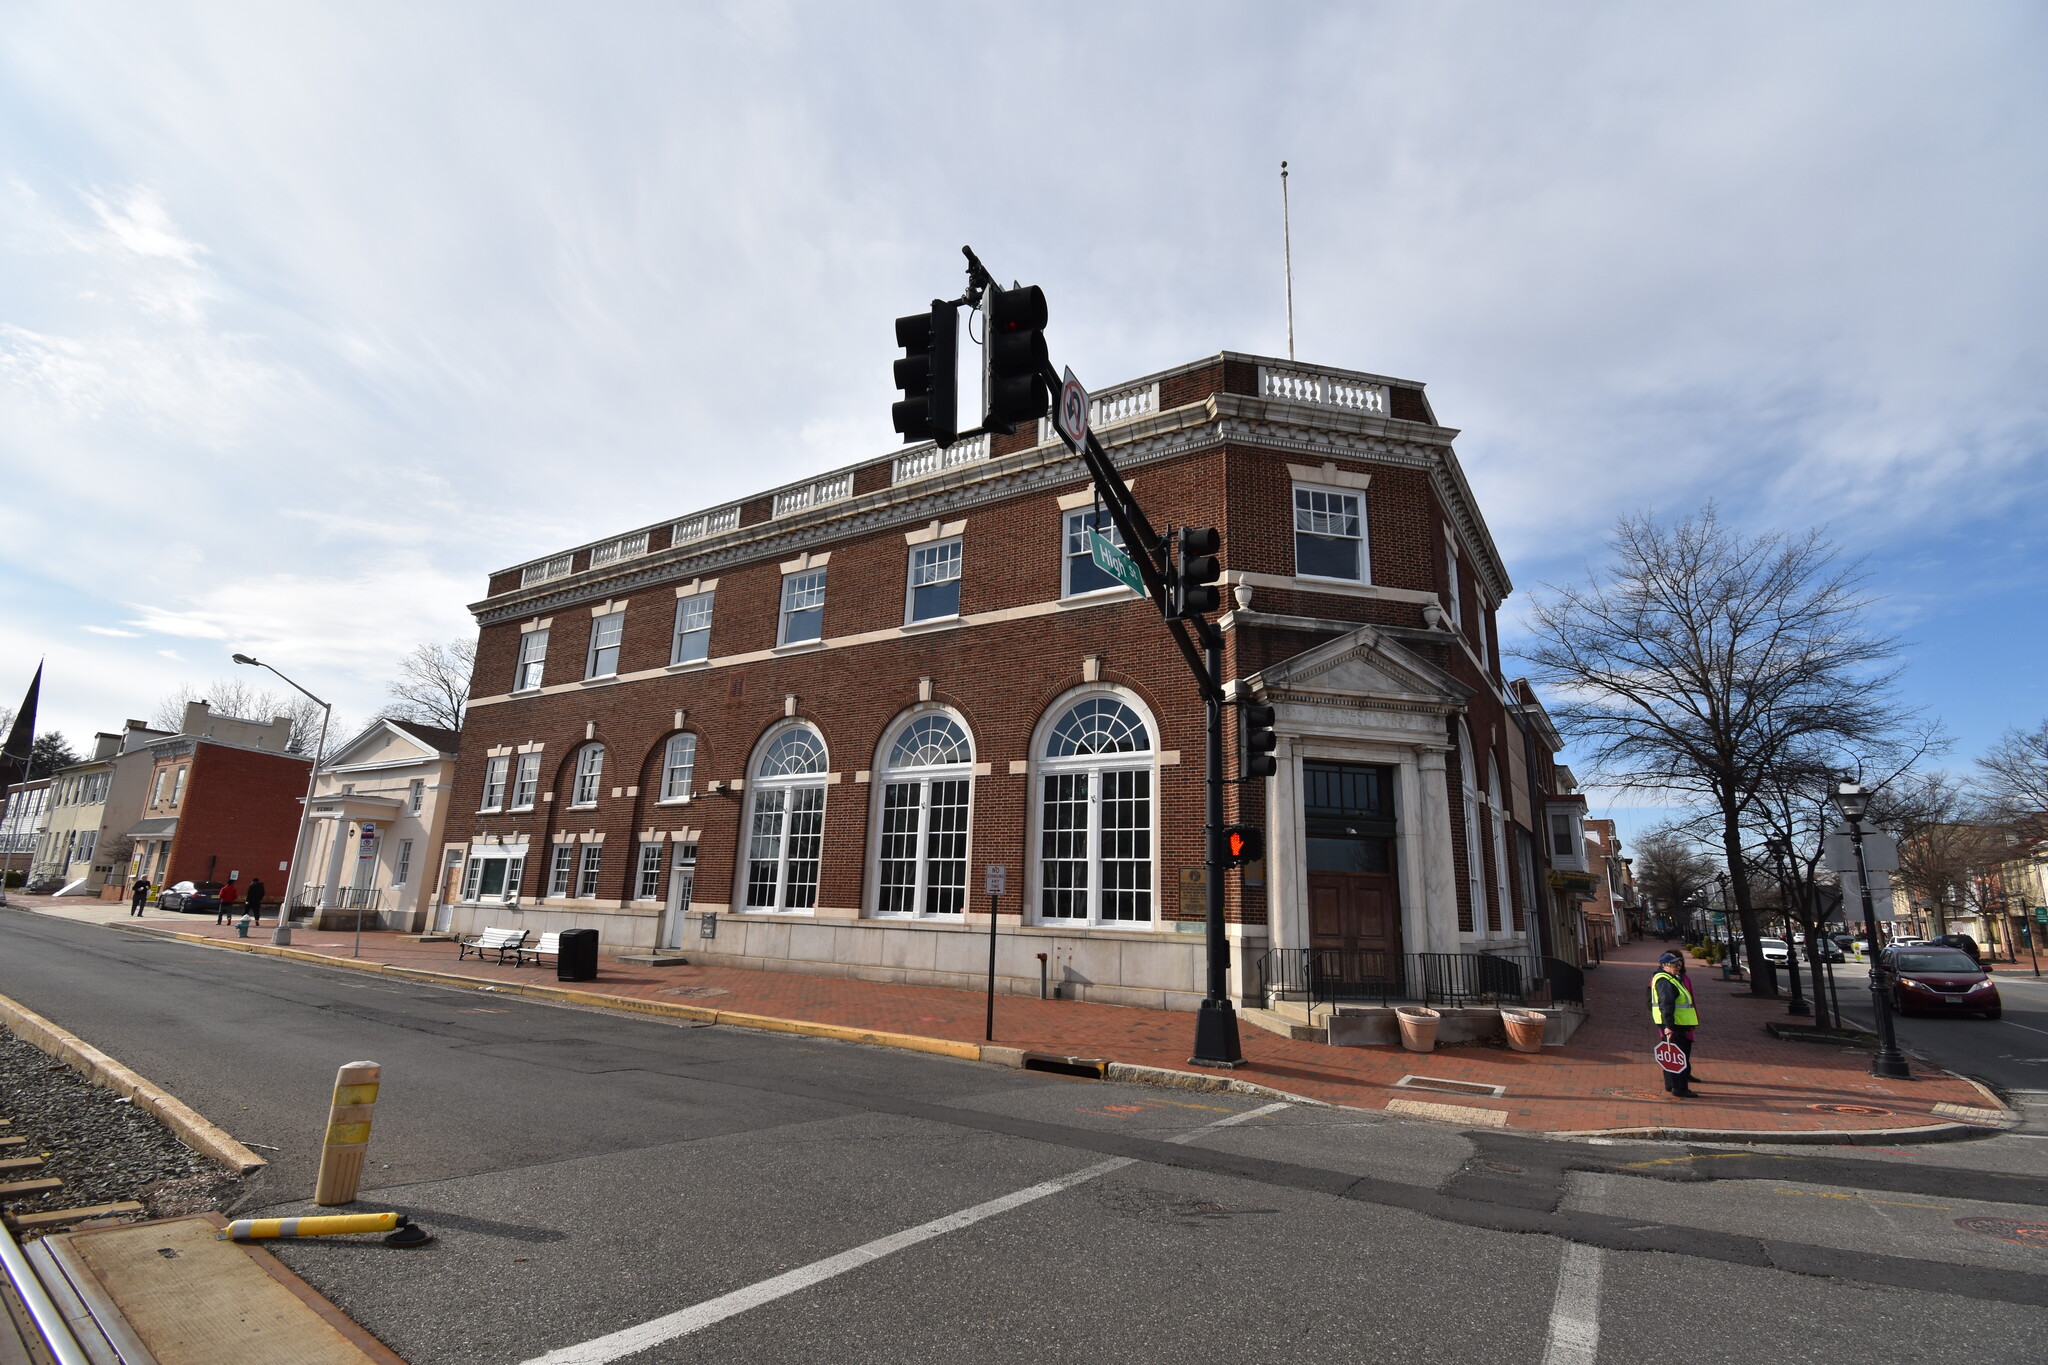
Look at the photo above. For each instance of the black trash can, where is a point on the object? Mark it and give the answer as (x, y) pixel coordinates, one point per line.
(577, 960)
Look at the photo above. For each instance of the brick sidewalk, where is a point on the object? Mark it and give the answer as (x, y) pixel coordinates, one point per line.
(1602, 1079)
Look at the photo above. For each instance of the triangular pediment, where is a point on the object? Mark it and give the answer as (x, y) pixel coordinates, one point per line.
(381, 742)
(1367, 662)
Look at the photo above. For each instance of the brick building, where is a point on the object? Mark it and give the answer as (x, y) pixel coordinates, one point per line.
(223, 797)
(791, 732)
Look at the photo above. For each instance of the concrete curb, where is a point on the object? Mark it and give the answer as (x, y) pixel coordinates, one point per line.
(96, 1066)
(1014, 1057)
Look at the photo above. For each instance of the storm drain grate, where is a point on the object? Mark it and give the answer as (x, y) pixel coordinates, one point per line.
(1090, 1067)
(1449, 1087)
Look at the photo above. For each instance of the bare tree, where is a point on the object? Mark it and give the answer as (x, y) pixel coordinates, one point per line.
(432, 686)
(236, 698)
(1701, 659)
(1948, 843)
(1669, 866)
(2013, 777)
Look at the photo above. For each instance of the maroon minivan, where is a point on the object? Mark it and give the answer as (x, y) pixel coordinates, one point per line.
(1940, 981)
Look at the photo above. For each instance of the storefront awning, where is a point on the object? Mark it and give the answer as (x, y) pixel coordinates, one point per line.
(162, 827)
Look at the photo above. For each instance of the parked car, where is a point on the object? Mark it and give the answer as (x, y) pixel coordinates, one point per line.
(1939, 980)
(1774, 950)
(1826, 949)
(1960, 941)
(189, 897)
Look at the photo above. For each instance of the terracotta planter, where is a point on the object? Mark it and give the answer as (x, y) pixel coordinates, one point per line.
(1524, 1029)
(1418, 1027)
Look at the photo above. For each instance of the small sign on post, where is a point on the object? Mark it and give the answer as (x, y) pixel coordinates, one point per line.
(1070, 415)
(998, 879)
(1115, 562)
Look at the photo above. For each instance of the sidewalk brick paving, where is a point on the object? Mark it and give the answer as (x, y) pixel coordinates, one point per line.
(1603, 1078)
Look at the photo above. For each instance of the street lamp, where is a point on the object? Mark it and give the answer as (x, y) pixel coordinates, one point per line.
(283, 932)
(1728, 964)
(1853, 799)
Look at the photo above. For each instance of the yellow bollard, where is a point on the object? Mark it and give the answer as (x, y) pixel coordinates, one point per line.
(258, 1229)
(348, 1133)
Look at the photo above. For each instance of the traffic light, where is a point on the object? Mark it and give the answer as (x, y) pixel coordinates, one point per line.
(1242, 844)
(928, 374)
(1255, 724)
(1195, 571)
(1013, 358)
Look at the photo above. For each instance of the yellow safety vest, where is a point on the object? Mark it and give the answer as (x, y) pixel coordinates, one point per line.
(1684, 1015)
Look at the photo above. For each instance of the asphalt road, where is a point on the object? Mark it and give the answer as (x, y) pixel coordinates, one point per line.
(614, 1188)
(2011, 1053)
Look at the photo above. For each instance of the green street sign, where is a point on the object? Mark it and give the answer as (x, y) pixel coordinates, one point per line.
(1114, 562)
(2041, 914)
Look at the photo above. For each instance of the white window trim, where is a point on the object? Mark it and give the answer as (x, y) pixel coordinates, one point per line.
(520, 762)
(882, 777)
(576, 776)
(1035, 809)
(640, 871)
(1091, 594)
(598, 621)
(910, 584)
(519, 683)
(689, 783)
(783, 610)
(1364, 578)
(502, 765)
(675, 636)
(756, 784)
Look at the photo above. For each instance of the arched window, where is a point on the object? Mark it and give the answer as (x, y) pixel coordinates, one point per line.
(927, 783)
(1475, 865)
(678, 765)
(786, 823)
(589, 775)
(1095, 816)
(1504, 915)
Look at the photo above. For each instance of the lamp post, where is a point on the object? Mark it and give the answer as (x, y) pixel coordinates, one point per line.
(1780, 852)
(1727, 930)
(283, 932)
(1852, 799)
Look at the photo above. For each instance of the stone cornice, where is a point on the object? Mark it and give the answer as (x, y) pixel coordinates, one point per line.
(1269, 424)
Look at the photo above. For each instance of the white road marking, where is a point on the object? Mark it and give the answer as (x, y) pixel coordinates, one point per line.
(1575, 1312)
(646, 1336)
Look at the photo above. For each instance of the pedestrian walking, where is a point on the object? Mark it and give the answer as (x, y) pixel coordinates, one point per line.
(253, 898)
(1675, 1017)
(139, 896)
(226, 912)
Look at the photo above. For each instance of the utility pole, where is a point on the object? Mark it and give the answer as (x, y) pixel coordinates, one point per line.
(1852, 800)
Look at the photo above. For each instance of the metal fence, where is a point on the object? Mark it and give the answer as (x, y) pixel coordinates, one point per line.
(1321, 976)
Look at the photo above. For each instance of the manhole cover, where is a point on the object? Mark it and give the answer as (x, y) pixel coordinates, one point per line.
(695, 990)
(1870, 1109)
(2008, 1230)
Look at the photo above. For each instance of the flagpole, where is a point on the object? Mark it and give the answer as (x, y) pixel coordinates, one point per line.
(1287, 253)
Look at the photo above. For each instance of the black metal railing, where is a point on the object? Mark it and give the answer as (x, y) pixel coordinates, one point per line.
(1322, 976)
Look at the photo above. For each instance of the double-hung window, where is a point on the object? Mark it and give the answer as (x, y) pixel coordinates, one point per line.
(416, 795)
(533, 659)
(587, 874)
(693, 629)
(935, 580)
(494, 782)
(1095, 816)
(1329, 534)
(560, 870)
(403, 872)
(1080, 573)
(678, 763)
(606, 632)
(525, 781)
(925, 799)
(803, 607)
(786, 822)
(589, 775)
(649, 887)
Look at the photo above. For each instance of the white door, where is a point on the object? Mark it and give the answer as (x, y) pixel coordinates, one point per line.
(680, 878)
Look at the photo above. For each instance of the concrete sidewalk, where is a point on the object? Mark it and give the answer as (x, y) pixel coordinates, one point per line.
(1602, 1080)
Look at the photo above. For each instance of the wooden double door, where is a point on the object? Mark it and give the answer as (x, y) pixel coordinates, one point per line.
(1354, 899)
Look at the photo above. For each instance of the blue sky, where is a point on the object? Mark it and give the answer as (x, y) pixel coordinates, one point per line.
(312, 315)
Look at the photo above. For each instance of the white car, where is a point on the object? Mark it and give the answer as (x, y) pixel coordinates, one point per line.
(1774, 950)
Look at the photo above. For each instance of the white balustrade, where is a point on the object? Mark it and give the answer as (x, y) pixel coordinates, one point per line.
(813, 494)
(1301, 386)
(1108, 408)
(625, 547)
(926, 460)
(705, 524)
(546, 571)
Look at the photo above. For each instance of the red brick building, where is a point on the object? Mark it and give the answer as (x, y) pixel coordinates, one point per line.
(223, 797)
(819, 713)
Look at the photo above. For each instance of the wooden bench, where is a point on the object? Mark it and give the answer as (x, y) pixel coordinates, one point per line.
(495, 941)
(550, 945)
